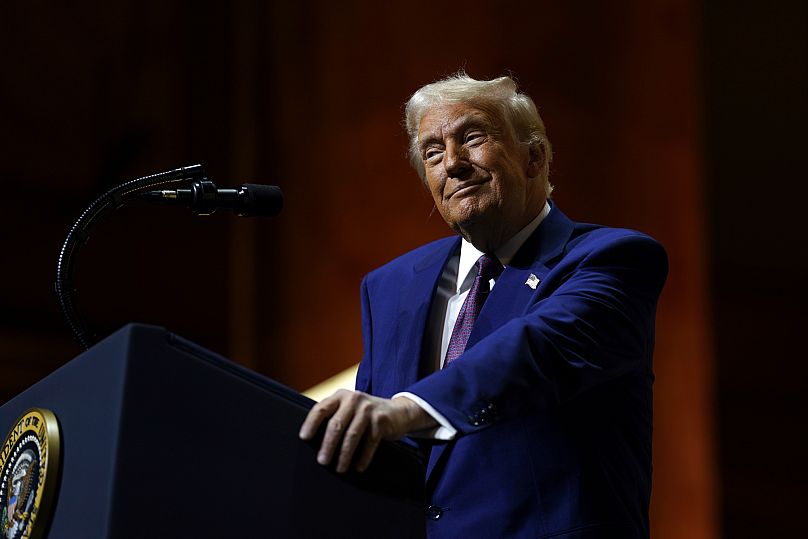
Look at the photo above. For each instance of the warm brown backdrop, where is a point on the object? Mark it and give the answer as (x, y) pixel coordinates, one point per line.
(684, 122)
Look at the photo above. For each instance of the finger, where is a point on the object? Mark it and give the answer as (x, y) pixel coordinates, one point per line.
(350, 441)
(334, 431)
(372, 440)
(317, 415)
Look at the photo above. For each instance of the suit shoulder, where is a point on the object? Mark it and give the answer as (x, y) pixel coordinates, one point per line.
(599, 237)
(604, 243)
(425, 254)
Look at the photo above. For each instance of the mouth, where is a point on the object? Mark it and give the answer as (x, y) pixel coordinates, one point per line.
(466, 189)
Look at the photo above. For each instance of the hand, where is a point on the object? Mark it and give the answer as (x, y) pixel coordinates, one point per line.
(356, 419)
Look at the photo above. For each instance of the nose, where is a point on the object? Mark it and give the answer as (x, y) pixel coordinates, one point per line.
(456, 160)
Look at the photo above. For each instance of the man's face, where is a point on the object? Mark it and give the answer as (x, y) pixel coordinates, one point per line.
(485, 183)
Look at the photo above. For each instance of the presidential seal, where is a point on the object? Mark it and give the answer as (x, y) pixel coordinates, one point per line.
(29, 465)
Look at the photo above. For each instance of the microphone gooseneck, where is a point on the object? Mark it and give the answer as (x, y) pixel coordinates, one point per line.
(203, 198)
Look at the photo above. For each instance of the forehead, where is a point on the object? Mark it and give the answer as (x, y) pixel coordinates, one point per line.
(440, 120)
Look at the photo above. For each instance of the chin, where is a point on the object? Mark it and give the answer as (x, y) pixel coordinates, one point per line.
(474, 225)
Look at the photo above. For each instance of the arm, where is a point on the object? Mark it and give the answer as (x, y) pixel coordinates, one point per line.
(356, 421)
(595, 325)
(360, 421)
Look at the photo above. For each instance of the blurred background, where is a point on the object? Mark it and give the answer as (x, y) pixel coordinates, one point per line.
(684, 119)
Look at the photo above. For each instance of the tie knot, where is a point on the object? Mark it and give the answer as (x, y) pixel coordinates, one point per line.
(488, 267)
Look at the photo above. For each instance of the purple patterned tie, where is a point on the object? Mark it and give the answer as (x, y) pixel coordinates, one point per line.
(488, 267)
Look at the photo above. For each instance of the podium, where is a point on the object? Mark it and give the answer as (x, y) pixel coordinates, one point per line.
(162, 438)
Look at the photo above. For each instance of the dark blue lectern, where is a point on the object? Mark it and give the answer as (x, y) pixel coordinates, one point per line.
(161, 438)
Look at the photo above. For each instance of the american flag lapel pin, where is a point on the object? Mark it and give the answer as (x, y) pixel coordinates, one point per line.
(533, 281)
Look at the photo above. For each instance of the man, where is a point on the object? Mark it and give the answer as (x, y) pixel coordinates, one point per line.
(521, 350)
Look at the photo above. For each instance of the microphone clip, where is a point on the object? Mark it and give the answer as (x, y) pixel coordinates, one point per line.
(203, 198)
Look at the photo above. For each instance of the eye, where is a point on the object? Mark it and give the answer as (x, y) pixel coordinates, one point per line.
(432, 155)
(473, 137)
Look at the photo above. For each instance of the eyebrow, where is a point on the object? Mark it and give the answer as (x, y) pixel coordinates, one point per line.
(475, 119)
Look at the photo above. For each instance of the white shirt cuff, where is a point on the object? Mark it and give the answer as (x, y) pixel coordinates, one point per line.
(444, 432)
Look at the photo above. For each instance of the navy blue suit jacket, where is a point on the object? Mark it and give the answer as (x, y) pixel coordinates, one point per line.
(552, 397)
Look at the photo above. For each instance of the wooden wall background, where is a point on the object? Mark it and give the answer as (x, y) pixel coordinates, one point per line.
(682, 121)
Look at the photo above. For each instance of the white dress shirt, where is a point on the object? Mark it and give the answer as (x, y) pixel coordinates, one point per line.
(453, 287)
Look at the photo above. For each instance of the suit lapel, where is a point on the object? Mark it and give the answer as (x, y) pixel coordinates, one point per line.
(416, 298)
(511, 295)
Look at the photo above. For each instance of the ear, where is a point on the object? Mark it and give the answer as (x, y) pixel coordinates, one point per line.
(536, 159)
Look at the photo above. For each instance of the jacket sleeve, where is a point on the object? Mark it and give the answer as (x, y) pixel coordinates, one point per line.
(595, 325)
(363, 374)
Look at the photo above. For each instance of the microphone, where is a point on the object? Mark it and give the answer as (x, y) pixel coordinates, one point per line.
(203, 198)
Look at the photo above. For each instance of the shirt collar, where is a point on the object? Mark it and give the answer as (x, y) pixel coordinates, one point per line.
(469, 254)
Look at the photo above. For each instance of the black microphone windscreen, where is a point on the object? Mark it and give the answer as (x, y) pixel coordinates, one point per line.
(261, 200)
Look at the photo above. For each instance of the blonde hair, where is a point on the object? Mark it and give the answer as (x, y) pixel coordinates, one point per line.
(516, 108)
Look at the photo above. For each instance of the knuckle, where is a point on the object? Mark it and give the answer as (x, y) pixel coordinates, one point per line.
(321, 409)
(365, 407)
(381, 420)
(317, 408)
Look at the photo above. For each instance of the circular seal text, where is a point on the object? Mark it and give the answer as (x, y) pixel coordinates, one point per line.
(29, 461)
